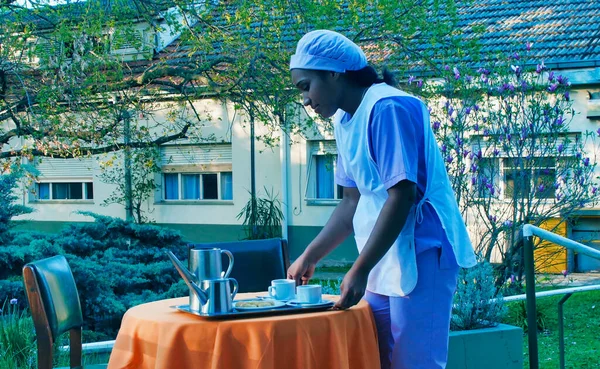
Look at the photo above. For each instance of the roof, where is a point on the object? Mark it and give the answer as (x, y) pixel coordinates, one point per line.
(561, 32)
(47, 17)
(564, 34)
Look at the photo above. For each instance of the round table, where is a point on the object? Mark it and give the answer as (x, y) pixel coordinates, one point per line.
(154, 335)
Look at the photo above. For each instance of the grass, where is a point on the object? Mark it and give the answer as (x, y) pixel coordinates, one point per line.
(17, 342)
(581, 327)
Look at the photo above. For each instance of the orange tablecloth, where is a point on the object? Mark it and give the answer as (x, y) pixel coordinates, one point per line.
(156, 336)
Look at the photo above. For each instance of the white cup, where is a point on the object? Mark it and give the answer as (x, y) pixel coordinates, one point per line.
(309, 294)
(282, 289)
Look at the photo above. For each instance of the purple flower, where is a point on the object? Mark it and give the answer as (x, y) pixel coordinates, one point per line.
(562, 80)
(456, 73)
(473, 181)
(449, 159)
(541, 188)
(13, 301)
(558, 197)
(446, 67)
(492, 218)
(559, 121)
(516, 56)
(565, 273)
(508, 137)
(419, 83)
(552, 87)
(450, 110)
(560, 148)
(476, 107)
(496, 152)
(436, 125)
(567, 96)
(444, 148)
(486, 132)
(512, 278)
(524, 85)
(476, 127)
(507, 223)
(551, 76)
(469, 79)
(479, 154)
(468, 111)
(539, 68)
(586, 162)
(598, 131)
(594, 190)
(528, 45)
(411, 79)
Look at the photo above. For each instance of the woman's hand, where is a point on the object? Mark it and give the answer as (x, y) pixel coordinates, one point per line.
(352, 289)
(301, 270)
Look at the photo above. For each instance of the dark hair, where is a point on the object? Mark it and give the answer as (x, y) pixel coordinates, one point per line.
(367, 76)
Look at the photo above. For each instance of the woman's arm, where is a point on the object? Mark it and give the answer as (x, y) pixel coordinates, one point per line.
(386, 230)
(335, 231)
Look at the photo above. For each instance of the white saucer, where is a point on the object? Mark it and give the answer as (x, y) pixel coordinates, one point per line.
(295, 302)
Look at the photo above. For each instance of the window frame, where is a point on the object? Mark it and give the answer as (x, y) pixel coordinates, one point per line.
(316, 149)
(200, 184)
(51, 182)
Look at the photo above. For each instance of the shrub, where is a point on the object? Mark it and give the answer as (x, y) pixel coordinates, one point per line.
(477, 304)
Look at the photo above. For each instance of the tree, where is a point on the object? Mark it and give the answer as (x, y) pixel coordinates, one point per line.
(66, 81)
(505, 134)
(10, 207)
(143, 168)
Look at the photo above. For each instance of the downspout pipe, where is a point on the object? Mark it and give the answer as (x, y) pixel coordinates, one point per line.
(284, 145)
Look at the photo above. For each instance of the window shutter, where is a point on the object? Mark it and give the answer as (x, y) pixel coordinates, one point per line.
(323, 147)
(196, 158)
(65, 168)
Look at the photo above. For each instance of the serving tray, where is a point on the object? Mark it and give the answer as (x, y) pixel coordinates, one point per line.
(240, 314)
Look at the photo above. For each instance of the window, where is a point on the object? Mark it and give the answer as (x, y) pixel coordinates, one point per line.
(522, 176)
(64, 191)
(488, 178)
(321, 184)
(198, 186)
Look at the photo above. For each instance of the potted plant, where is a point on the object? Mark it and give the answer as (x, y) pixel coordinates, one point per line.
(477, 337)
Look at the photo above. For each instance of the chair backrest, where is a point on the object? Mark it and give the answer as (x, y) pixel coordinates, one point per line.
(256, 262)
(55, 307)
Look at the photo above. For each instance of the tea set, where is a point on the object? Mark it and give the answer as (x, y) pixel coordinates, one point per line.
(212, 292)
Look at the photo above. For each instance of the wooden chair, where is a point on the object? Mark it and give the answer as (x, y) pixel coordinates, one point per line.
(55, 308)
(255, 262)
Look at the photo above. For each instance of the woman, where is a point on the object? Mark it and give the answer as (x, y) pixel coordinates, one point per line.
(397, 200)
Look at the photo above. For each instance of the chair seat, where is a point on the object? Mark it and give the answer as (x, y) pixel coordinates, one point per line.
(91, 366)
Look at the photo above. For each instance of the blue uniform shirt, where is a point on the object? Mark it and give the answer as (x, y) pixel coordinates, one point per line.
(397, 145)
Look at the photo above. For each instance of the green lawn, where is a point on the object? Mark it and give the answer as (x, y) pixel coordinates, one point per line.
(582, 331)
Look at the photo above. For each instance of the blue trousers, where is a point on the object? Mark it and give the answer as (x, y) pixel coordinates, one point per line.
(413, 330)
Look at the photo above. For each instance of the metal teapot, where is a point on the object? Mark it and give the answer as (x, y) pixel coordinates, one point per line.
(212, 296)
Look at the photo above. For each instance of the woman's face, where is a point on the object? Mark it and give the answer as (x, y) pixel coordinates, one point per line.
(320, 90)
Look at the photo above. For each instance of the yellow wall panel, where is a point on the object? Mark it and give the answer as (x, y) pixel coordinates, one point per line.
(550, 257)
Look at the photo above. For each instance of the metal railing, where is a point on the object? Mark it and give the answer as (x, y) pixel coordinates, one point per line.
(528, 232)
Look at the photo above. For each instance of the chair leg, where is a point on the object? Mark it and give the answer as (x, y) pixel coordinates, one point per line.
(45, 354)
(75, 347)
